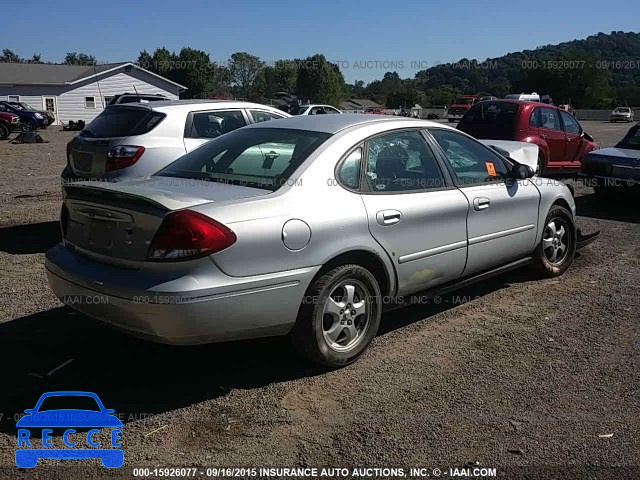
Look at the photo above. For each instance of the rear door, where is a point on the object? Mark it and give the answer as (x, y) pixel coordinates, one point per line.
(551, 131)
(503, 216)
(414, 213)
(206, 125)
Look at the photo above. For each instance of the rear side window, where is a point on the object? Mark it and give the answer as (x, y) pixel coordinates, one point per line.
(261, 116)
(213, 124)
(349, 171)
(122, 122)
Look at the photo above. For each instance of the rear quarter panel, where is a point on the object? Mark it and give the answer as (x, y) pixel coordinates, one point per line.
(336, 218)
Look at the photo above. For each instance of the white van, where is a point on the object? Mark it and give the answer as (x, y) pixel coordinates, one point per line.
(526, 97)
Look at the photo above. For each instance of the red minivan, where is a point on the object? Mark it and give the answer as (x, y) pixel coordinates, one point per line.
(561, 140)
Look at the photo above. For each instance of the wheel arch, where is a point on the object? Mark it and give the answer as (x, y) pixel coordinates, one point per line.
(367, 259)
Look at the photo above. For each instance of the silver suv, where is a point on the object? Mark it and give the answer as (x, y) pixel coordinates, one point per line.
(138, 139)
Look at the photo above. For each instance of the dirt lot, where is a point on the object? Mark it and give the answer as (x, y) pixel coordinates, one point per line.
(517, 374)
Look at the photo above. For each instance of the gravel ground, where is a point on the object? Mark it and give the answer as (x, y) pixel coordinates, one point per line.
(518, 374)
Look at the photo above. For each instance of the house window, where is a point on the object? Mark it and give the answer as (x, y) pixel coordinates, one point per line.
(89, 102)
(14, 98)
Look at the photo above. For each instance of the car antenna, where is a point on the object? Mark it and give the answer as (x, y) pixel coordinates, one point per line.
(136, 90)
(95, 71)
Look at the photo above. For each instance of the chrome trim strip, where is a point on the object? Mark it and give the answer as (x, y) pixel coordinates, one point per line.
(432, 251)
(503, 233)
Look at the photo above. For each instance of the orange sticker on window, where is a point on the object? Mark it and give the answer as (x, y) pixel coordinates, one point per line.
(491, 170)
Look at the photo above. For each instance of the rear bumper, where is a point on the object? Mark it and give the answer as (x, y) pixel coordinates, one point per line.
(188, 307)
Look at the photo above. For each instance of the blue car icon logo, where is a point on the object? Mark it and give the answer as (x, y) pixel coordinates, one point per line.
(89, 414)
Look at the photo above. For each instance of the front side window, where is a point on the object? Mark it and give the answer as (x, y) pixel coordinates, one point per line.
(570, 124)
(550, 119)
(89, 102)
(260, 116)
(471, 161)
(260, 157)
(401, 162)
(216, 123)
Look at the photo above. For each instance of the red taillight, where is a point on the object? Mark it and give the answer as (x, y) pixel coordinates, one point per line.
(123, 156)
(186, 234)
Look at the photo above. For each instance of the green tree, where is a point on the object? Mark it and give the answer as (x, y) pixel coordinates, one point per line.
(244, 68)
(9, 56)
(74, 58)
(320, 81)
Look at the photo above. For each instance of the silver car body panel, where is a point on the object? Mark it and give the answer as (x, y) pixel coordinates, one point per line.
(255, 287)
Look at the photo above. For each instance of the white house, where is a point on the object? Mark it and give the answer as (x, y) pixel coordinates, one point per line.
(75, 92)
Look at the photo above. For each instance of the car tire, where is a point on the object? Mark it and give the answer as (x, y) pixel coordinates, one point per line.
(4, 132)
(326, 331)
(28, 126)
(557, 248)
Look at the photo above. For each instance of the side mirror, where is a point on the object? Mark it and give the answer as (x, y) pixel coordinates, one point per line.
(520, 172)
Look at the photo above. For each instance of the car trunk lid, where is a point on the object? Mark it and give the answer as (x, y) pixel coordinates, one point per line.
(88, 152)
(115, 223)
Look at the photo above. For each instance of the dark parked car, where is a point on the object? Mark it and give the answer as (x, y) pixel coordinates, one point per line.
(616, 167)
(30, 118)
(561, 140)
(8, 123)
(135, 98)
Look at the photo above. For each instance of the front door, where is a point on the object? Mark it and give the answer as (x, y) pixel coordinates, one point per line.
(50, 104)
(573, 139)
(503, 215)
(417, 218)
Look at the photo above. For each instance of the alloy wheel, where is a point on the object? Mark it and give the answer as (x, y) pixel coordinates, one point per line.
(555, 241)
(346, 315)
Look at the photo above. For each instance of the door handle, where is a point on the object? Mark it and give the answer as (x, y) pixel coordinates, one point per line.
(543, 135)
(388, 217)
(481, 203)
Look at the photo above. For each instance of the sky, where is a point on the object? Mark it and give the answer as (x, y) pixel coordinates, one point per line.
(365, 38)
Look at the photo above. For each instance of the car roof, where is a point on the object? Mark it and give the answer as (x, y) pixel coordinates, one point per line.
(196, 104)
(334, 123)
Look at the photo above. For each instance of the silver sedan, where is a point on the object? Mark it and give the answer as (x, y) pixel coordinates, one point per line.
(309, 226)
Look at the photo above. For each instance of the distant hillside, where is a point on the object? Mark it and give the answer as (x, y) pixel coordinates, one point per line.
(600, 71)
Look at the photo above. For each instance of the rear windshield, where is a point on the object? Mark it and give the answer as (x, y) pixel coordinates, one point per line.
(255, 157)
(122, 122)
(487, 119)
